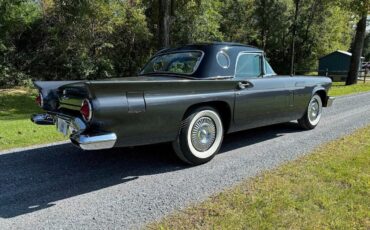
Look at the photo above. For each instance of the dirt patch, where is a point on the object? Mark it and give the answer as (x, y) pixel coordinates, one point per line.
(14, 91)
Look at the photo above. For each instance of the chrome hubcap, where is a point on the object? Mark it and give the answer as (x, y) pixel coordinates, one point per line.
(203, 134)
(314, 110)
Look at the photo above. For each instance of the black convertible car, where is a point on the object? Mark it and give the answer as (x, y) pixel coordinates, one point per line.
(191, 96)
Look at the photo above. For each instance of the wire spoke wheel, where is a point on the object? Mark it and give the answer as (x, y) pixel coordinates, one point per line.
(203, 134)
(200, 137)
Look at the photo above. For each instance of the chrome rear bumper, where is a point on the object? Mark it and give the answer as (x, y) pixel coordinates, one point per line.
(94, 141)
(79, 136)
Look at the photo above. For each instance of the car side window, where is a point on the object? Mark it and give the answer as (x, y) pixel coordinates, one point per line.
(268, 69)
(248, 65)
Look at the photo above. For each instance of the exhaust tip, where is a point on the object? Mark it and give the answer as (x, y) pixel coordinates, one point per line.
(42, 119)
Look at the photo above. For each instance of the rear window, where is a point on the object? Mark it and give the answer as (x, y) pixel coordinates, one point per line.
(177, 63)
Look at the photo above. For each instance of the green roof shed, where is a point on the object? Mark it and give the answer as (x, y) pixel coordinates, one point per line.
(336, 65)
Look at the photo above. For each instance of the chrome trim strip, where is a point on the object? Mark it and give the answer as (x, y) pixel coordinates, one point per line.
(227, 57)
(41, 100)
(94, 141)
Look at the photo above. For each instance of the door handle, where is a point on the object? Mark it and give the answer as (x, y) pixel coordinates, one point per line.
(244, 84)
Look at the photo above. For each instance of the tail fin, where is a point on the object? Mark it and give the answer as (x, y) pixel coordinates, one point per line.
(48, 90)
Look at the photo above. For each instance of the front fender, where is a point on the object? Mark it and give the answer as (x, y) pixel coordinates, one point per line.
(318, 89)
(322, 91)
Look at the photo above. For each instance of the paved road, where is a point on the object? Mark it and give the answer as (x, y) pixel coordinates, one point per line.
(61, 187)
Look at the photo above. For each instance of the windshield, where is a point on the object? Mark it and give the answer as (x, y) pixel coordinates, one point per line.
(177, 63)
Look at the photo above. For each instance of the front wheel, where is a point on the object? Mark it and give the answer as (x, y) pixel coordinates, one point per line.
(200, 136)
(312, 116)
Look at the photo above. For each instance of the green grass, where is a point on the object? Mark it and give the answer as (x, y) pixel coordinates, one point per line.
(16, 129)
(339, 89)
(328, 189)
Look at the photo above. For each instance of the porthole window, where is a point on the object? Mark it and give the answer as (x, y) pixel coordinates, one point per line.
(223, 59)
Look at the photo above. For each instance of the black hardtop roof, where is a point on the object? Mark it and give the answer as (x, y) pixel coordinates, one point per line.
(209, 45)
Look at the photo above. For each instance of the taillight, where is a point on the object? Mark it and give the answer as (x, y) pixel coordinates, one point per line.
(39, 100)
(86, 110)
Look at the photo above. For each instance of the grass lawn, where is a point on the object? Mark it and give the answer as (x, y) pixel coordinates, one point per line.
(16, 129)
(329, 189)
(339, 88)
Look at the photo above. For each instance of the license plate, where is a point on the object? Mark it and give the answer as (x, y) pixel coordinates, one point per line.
(62, 126)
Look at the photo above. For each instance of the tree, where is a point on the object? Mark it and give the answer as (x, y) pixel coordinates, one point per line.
(237, 22)
(294, 31)
(90, 39)
(165, 14)
(16, 17)
(196, 21)
(362, 7)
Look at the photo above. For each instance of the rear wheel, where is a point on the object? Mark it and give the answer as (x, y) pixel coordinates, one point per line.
(200, 136)
(312, 116)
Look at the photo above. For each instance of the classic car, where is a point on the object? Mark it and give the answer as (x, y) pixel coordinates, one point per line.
(191, 96)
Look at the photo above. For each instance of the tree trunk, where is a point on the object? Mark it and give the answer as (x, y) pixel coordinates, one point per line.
(296, 13)
(357, 48)
(164, 23)
(264, 27)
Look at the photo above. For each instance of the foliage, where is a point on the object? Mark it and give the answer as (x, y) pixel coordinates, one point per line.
(237, 22)
(197, 21)
(90, 39)
(16, 16)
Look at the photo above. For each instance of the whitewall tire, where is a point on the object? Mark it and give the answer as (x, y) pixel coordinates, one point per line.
(200, 136)
(313, 113)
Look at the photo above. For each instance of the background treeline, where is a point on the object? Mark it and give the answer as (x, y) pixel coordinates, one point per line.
(89, 39)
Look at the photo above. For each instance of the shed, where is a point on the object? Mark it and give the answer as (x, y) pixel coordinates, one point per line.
(336, 65)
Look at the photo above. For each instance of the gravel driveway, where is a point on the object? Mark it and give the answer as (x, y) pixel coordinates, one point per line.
(62, 187)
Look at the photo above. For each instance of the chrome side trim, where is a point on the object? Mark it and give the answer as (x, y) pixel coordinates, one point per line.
(329, 101)
(94, 141)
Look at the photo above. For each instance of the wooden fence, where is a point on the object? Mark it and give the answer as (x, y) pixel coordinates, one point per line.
(362, 74)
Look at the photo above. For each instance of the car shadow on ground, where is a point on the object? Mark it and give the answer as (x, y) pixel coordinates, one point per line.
(35, 179)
